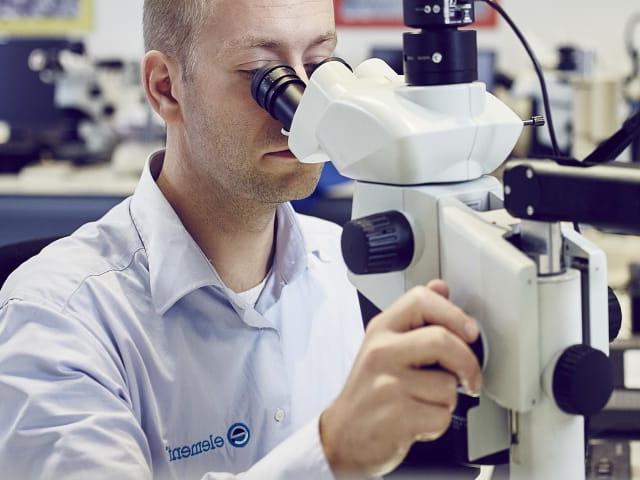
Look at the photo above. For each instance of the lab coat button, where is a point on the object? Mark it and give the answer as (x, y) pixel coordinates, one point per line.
(279, 416)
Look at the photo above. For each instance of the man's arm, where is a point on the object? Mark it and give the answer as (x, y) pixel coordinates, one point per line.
(65, 409)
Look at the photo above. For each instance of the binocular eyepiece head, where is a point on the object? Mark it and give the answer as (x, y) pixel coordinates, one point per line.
(278, 89)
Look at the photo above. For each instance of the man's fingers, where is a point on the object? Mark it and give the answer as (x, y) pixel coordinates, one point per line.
(437, 387)
(422, 306)
(436, 345)
(422, 421)
(440, 287)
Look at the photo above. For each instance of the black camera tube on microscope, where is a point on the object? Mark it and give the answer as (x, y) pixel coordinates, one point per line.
(440, 54)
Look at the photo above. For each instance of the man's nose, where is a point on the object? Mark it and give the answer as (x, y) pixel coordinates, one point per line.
(301, 72)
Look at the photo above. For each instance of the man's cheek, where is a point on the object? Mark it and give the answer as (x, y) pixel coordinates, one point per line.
(241, 99)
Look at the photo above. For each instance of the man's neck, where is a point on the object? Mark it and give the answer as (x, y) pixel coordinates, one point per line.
(237, 238)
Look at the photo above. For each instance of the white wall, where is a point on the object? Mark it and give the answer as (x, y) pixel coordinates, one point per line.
(596, 24)
(117, 29)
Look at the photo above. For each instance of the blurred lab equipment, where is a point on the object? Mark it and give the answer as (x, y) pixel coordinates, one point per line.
(632, 82)
(52, 104)
(60, 104)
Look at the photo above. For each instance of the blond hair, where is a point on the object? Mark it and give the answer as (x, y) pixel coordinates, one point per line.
(172, 27)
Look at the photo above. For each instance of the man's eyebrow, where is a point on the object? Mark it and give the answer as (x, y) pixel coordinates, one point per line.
(249, 42)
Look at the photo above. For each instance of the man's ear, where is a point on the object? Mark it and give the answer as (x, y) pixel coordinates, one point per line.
(161, 78)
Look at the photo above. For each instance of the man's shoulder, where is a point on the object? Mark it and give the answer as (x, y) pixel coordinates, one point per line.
(95, 250)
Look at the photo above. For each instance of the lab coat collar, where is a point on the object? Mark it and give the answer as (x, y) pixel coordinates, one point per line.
(178, 266)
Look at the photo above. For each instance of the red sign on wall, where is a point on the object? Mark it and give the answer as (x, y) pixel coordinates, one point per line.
(388, 13)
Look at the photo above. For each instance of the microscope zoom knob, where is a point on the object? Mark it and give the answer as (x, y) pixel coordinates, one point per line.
(380, 243)
(615, 316)
(582, 380)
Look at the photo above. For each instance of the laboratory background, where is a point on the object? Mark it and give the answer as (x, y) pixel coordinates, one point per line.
(76, 131)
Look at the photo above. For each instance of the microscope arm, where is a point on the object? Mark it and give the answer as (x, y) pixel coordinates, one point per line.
(602, 195)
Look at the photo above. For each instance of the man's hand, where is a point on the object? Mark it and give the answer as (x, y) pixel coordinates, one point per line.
(389, 401)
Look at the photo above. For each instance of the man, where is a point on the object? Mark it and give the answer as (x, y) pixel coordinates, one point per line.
(201, 326)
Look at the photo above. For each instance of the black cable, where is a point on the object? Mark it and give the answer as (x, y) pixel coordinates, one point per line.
(539, 73)
(543, 83)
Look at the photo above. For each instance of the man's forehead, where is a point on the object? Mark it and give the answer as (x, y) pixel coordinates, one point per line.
(250, 40)
(245, 24)
(274, 5)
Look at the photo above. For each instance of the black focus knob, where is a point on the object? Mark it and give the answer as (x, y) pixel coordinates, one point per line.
(615, 315)
(582, 380)
(379, 243)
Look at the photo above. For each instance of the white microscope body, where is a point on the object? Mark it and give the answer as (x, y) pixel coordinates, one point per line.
(426, 152)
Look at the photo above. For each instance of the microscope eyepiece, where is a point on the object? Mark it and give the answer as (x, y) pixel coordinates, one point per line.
(331, 59)
(278, 89)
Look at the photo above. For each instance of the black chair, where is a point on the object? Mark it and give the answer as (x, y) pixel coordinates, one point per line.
(12, 256)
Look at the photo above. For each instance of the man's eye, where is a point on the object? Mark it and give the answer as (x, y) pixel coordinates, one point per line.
(309, 68)
(249, 73)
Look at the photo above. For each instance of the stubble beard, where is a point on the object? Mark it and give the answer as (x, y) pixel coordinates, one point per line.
(228, 167)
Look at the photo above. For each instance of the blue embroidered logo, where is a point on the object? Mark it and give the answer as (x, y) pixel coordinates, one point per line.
(238, 435)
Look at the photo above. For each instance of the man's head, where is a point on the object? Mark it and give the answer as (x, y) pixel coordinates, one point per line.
(197, 74)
